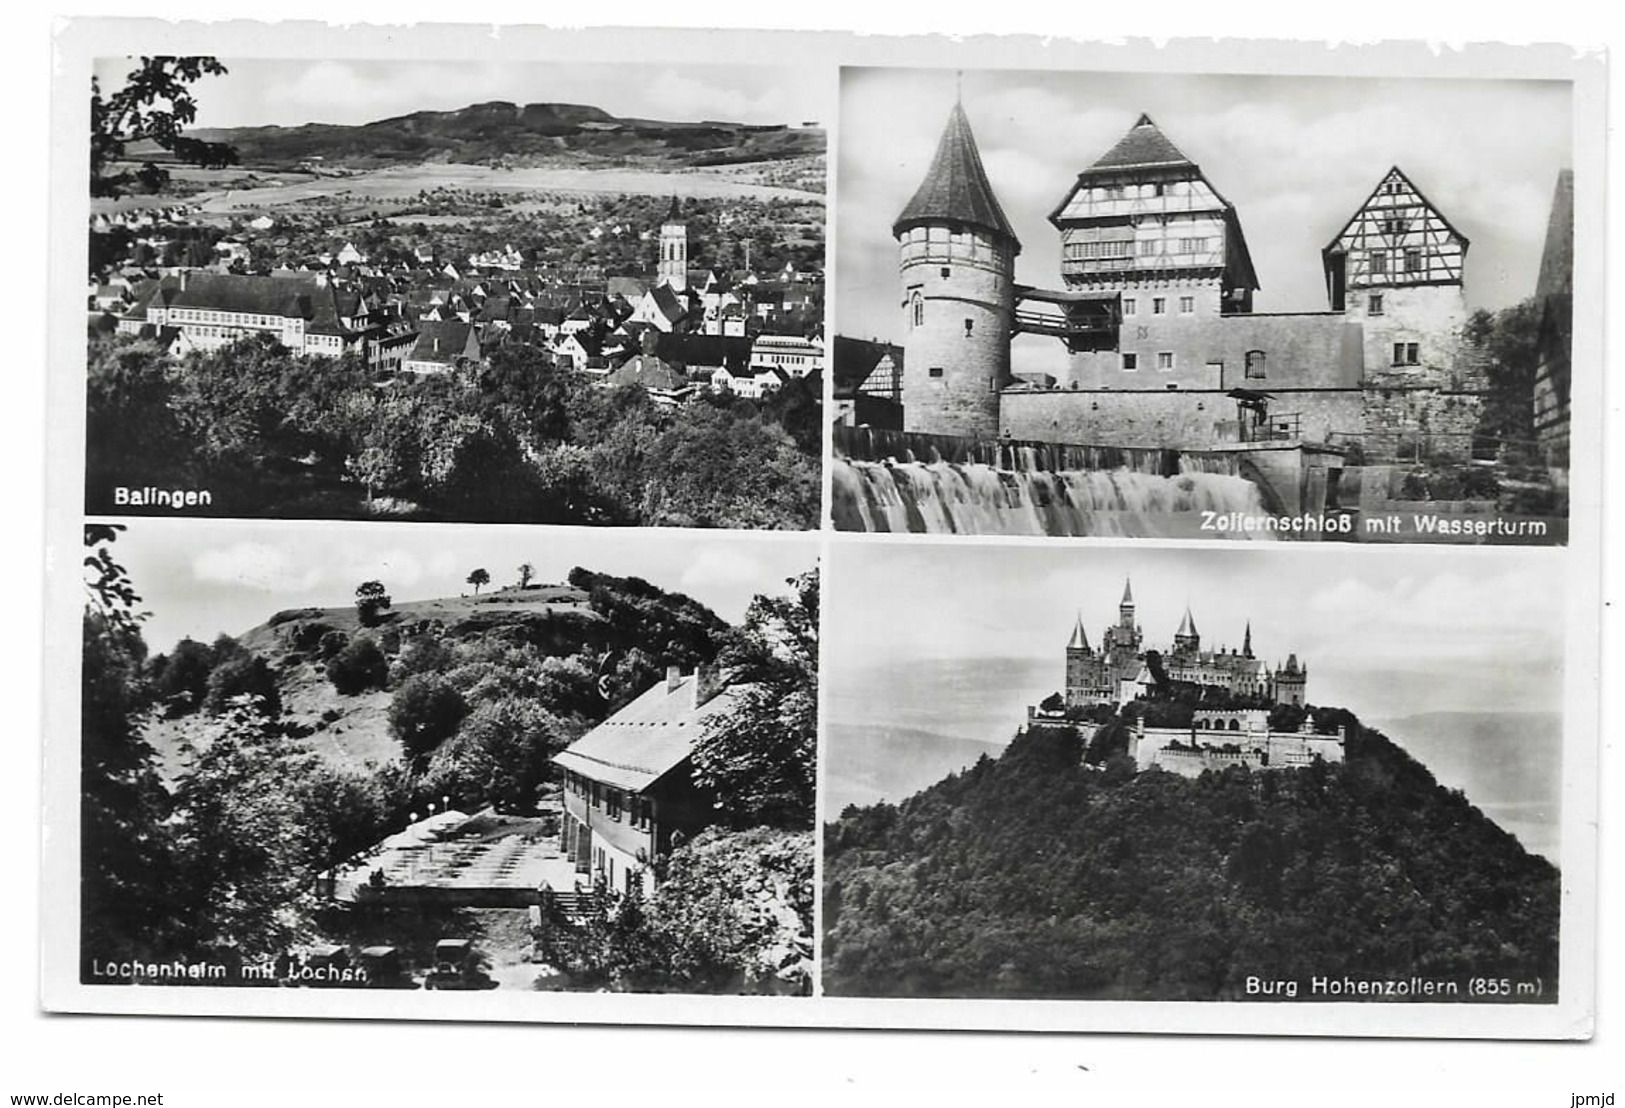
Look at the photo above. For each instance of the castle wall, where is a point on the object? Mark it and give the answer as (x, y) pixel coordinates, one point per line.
(957, 303)
(1431, 316)
(1404, 422)
(1170, 419)
(1319, 350)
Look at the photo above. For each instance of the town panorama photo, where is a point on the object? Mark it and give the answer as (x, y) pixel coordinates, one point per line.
(518, 292)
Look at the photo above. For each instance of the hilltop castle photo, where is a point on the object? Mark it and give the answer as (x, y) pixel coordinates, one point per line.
(1119, 670)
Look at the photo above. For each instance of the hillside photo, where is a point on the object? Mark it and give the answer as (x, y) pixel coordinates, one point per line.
(559, 295)
(408, 765)
(1178, 793)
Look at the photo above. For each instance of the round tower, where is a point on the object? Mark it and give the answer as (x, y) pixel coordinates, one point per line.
(956, 260)
(674, 249)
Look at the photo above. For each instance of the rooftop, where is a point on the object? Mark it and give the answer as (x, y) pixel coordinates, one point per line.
(956, 188)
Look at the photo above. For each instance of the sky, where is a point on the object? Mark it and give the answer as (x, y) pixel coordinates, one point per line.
(1385, 633)
(289, 92)
(204, 577)
(1296, 156)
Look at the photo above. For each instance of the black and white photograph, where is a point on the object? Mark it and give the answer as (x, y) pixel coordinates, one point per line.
(1228, 774)
(421, 290)
(1203, 306)
(390, 758)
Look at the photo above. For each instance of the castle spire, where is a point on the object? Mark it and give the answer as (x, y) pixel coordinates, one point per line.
(956, 189)
(1187, 626)
(1128, 594)
(1080, 640)
(1247, 641)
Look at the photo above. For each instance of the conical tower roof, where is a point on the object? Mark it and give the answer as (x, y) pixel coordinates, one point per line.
(1187, 626)
(1144, 146)
(1247, 641)
(1080, 641)
(956, 188)
(675, 214)
(1128, 594)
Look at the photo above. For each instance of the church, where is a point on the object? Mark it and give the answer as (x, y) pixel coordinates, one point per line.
(1119, 670)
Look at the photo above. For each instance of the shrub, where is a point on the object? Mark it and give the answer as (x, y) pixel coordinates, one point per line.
(358, 667)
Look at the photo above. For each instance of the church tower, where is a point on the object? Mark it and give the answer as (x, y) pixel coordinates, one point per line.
(674, 249)
(957, 262)
(1396, 267)
(1292, 682)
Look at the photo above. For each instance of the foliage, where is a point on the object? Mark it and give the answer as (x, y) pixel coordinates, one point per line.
(759, 756)
(1038, 876)
(371, 601)
(424, 712)
(1509, 341)
(500, 756)
(479, 578)
(238, 675)
(153, 105)
(732, 914)
(515, 439)
(358, 667)
(527, 573)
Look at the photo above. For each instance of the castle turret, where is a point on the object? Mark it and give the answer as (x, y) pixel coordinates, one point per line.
(1186, 639)
(1247, 641)
(956, 260)
(674, 249)
(1125, 607)
(1085, 671)
(1292, 682)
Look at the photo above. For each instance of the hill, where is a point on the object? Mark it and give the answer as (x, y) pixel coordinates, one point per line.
(873, 762)
(514, 134)
(624, 627)
(1038, 875)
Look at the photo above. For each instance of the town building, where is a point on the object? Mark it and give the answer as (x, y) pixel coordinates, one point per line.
(630, 794)
(303, 311)
(1218, 740)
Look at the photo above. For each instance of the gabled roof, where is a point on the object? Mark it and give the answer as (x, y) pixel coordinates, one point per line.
(1144, 147)
(956, 188)
(444, 342)
(856, 359)
(1394, 172)
(648, 738)
(650, 372)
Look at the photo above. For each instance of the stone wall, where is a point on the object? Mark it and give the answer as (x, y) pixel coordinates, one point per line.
(1420, 422)
(1171, 419)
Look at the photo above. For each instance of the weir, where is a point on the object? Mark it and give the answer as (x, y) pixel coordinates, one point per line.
(902, 481)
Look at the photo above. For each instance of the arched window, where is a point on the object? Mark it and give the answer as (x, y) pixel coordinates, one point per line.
(917, 310)
(1255, 365)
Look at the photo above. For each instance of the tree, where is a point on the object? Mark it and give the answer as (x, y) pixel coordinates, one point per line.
(758, 756)
(501, 756)
(526, 573)
(358, 667)
(424, 713)
(243, 674)
(479, 578)
(152, 105)
(371, 601)
(126, 846)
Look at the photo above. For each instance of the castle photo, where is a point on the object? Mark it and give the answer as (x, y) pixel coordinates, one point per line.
(1020, 802)
(1088, 324)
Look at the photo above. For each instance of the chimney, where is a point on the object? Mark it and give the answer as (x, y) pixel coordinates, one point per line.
(707, 683)
(674, 677)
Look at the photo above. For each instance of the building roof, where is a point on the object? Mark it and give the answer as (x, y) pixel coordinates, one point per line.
(295, 296)
(1144, 146)
(649, 371)
(730, 352)
(444, 341)
(648, 738)
(1187, 626)
(956, 188)
(856, 359)
(1557, 259)
(1080, 640)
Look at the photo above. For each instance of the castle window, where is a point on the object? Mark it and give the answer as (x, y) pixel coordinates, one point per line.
(917, 303)
(1407, 353)
(945, 272)
(1159, 305)
(1148, 247)
(1165, 359)
(1255, 365)
(1187, 305)
(1130, 306)
(969, 323)
(1379, 261)
(1131, 362)
(1157, 189)
(1374, 304)
(1413, 261)
(936, 371)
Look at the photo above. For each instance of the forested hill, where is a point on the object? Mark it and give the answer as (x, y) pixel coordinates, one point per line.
(502, 132)
(1035, 875)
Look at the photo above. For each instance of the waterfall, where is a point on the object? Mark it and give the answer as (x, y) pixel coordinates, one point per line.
(939, 485)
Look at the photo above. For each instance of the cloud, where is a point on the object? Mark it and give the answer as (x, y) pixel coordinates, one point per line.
(254, 565)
